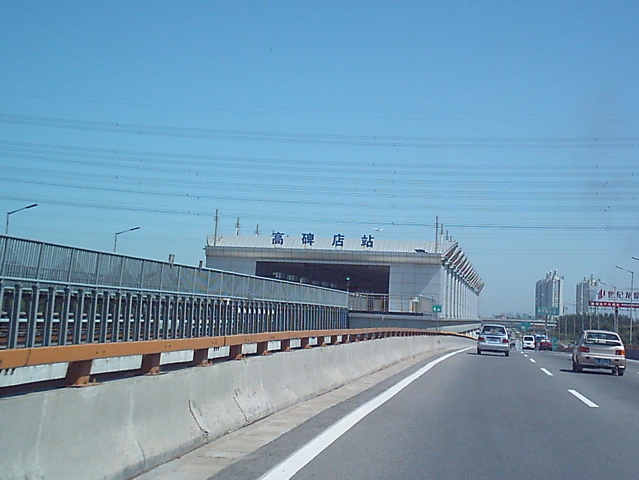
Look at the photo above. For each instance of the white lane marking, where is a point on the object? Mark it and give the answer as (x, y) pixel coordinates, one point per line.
(546, 372)
(533, 360)
(293, 464)
(587, 401)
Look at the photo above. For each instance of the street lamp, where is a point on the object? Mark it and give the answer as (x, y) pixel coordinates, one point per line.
(632, 294)
(616, 309)
(115, 241)
(6, 228)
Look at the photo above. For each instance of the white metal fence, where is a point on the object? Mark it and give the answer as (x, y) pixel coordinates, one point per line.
(58, 295)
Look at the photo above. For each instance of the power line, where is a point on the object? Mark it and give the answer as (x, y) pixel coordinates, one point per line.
(324, 139)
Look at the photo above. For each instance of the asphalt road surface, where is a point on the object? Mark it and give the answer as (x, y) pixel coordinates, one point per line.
(527, 416)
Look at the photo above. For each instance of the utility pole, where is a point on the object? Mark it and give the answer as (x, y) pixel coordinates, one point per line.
(215, 232)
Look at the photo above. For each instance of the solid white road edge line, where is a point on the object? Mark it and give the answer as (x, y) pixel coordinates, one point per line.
(293, 464)
(584, 399)
(546, 372)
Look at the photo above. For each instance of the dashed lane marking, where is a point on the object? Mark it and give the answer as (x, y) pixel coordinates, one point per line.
(586, 400)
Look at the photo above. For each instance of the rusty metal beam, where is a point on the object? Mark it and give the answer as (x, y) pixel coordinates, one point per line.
(22, 357)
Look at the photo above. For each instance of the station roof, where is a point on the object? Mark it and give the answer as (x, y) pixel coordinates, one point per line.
(356, 244)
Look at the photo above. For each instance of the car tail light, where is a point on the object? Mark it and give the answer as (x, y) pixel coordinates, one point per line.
(505, 340)
(620, 352)
(584, 349)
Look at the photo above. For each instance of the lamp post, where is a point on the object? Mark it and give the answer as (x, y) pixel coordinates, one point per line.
(615, 289)
(6, 228)
(115, 241)
(632, 294)
(615, 317)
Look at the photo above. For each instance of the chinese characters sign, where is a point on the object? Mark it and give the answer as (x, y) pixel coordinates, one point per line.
(277, 238)
(615, 298)
(367, 241)
(338, 240)
(308, 240)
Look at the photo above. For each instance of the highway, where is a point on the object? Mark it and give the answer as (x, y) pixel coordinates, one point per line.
(469, 416)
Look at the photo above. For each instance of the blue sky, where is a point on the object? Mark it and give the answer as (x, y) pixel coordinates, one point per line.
(515, 123)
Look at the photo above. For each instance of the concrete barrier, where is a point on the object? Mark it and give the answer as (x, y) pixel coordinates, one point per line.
(121, 428)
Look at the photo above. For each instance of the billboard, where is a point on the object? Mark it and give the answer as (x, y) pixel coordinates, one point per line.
(614, 298)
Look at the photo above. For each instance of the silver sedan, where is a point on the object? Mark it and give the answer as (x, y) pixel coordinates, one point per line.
(493, 338)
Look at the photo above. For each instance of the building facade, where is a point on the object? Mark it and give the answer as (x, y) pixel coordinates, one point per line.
(586, 291)
(549, 296)
(380, 275)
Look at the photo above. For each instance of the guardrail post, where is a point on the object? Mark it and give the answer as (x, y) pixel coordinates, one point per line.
(49, 314)
(93, 312)
(104, 317)
(285, 345)
(63, 321)
(305, 342)
(14, 317)
(201, 357)
(235, 352)
(262, 348)
(79, 373)
(116, 319)
(150, 364)
(78, 317)
(32, 316)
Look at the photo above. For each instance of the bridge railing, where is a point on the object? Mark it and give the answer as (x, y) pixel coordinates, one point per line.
(396, 303)
(39, 261)
(55, 295)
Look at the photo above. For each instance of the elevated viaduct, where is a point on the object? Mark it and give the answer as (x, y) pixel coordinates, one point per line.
(163, 358)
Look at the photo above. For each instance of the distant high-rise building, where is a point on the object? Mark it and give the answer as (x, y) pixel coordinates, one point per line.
(549, 296)
(586, 290)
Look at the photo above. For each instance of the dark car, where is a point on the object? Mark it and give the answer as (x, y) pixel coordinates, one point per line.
(545, 344)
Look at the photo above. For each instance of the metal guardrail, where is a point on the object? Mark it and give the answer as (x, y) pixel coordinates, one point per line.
(80, 358)
(34, 315)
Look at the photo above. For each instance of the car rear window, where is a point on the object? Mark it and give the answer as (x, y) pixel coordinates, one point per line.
(495, 330)
(602, 339)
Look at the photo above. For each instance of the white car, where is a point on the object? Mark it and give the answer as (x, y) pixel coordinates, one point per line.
(599, 349)
(493, 338)
(528, 342)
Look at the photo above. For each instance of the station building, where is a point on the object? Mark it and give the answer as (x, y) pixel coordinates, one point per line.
(413, 277)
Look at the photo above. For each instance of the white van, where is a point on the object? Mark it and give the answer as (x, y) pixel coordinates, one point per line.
(528, 342)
